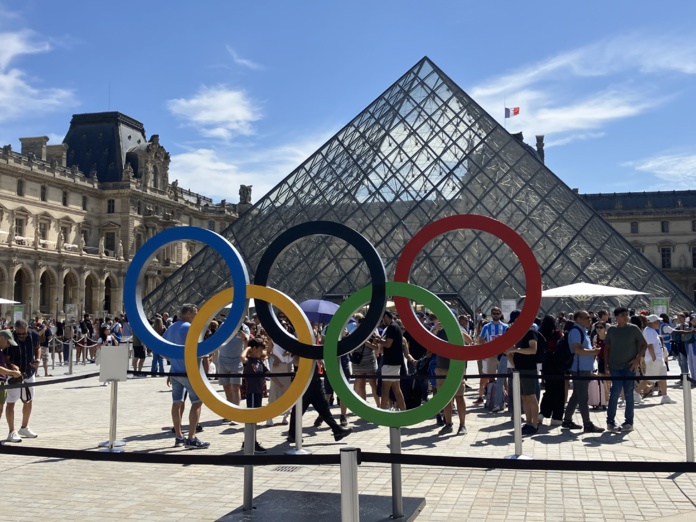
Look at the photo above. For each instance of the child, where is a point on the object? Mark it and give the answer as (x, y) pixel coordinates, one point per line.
(252, 357)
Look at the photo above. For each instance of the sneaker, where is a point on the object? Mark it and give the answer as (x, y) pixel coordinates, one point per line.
(27, 433)
(541, 419)
(258, 448)
(496, 409)
(447, 428)
(462, 430)
(343, 421)
(555, 422)
(570, 425)
(667, 400)
(196, 444)
(637, 399)
(179, 441)
(528, 429)
(13, 437)
(611, 426)
(626, 427)
(343, 433)
(199, 428)
(269, 422)
(591, 428)
(318, 422)
(440, 421)
(479, 400)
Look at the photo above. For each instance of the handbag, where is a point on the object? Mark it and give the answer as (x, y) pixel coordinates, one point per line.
(15, 380)
(356, 356)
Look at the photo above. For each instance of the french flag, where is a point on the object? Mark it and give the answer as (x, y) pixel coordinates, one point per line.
(514, 111)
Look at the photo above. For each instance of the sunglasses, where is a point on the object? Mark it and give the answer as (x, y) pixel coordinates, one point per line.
(600, 328)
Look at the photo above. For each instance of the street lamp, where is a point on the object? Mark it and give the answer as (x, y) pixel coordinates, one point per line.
(55, 319)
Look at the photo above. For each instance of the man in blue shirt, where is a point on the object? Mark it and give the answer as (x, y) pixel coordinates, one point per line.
(177, 333)
(583, 364)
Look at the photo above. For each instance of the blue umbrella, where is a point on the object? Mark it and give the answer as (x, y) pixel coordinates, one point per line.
(318, 310)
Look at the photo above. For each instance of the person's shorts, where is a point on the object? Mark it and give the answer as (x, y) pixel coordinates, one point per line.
(44, 354)
(25, 393)
(139, 352)
(181, 385)
(490, 365)
(527, 385)
(225, 367)
(656, 367)
(391, 372)
(443, 371)
(3, 395)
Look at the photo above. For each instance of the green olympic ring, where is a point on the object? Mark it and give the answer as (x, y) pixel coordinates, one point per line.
(446, 390)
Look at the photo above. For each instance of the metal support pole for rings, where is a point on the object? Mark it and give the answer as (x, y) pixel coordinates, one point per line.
(517, 417)
(249, 446)
(397, 496)
(112, 445)
(350, 505)
(688, 418)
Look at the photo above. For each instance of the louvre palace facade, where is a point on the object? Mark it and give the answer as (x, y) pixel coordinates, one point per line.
(72, 215)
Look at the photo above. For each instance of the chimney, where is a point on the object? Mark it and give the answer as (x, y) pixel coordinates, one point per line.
(36, 146)
(540, 146)
(58, 153)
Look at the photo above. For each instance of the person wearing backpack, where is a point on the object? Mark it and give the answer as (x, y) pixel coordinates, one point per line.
(553, 403)
(583, 364)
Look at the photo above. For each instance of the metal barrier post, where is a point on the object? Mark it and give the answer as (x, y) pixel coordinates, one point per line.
(688, 418)
(113, 445)
(516, 417)
(350, 505)
(397, 496)
(299, 450)
(249, 446)
(53, 352)
(70, 356)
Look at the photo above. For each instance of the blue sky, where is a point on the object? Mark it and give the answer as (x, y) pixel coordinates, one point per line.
(243, 92)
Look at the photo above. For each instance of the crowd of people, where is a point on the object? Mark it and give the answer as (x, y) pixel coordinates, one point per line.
(558, 355)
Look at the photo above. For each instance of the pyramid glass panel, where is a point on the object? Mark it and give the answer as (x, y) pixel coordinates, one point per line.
(422, 150)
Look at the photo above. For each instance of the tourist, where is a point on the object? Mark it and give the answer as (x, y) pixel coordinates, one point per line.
(553, 403)
(7, 370)
(625, 345)
(364, 362)
(655, 356)
(392, 345)
(281, 362)
(230, 365)
(441, 370)
(24, 353)
(138, 356)
(157, 360)
(495, 328)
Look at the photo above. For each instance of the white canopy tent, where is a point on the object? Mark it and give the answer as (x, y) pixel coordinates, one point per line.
(7, 301)
(583, 291)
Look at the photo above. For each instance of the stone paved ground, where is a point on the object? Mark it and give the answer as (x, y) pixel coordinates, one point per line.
(76, 416)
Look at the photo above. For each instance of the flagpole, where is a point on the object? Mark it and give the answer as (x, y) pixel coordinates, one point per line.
(504, 118)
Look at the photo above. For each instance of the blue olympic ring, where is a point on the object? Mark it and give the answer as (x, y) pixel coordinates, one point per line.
(132, 294)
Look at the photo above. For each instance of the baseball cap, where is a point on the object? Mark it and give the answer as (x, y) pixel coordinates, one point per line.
(652, 318)
(8, 335)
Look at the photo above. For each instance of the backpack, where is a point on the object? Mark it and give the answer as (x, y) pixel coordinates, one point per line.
(564, 352)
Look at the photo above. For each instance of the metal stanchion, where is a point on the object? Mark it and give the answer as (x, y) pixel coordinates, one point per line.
(397, 496)
(249, 445)
(688, 418)
(350, 505)
(53, 352)
(70, 357)
(298, 432)
(112, 445)
(516, 417)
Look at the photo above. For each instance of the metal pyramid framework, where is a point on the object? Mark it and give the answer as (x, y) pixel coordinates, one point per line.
(421, 151)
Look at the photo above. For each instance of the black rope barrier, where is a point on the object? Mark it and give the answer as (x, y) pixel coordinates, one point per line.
(183, 458)
(46, 383)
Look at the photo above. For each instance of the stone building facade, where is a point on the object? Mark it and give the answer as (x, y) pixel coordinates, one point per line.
(661, 225)
(72, 215)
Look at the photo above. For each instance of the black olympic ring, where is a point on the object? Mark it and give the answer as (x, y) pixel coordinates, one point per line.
(374, 265)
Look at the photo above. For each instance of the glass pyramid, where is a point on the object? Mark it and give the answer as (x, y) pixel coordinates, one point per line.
(421, 151)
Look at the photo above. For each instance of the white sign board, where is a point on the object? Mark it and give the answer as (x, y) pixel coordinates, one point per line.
(113, 363)
(507, 306)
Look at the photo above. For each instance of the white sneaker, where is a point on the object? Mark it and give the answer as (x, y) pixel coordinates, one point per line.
(269, 422)
(27, 433)
(556, 422)
(541, 419)
(496, 409)
(13, 437)
(667, 400)
(637, 399)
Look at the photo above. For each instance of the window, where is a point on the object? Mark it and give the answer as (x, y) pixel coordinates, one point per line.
(111, 206)
(138, 242)
(110, 241)
(211, 225)
(693, 225)
(84, 202)
(85, 235)
(634, 227)
(65, 198)
(19, 226)
(43, 230)
(664, 226)
(140, 208)
(693, 257)
(43, 196)
(20, 187)
(66, 233)
(666, 255)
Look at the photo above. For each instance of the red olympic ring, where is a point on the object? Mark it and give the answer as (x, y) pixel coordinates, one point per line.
(532, 276)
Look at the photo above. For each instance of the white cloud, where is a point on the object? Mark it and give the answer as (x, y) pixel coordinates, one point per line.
(584, 89)
(261, 168)
(217, 112)
(678, 169)
(242, 61)
(18, 96)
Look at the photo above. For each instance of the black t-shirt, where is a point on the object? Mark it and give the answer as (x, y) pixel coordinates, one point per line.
(415, 348)
(23, 354)
(525, 361)
(394, 355)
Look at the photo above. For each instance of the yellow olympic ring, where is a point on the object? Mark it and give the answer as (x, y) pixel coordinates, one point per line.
(199, 381)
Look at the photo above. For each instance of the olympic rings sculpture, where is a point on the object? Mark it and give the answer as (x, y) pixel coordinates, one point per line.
(303, 346)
